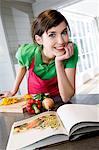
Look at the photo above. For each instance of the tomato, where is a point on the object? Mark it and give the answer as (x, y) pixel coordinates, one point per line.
(33, 106)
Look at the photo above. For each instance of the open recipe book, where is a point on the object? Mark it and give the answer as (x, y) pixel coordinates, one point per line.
(69, 122)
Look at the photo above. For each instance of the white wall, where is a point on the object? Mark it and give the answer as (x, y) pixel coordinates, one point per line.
(17, 18)
(6, 71)
(39, 6)
(85, 7)
(15, 29)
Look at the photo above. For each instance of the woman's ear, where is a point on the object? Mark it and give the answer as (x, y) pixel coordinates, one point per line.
(38, 39)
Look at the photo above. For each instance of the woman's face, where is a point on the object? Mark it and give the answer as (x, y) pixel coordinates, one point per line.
(55, 40)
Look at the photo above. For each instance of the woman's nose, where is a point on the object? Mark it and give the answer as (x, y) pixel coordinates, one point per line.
(60, 40)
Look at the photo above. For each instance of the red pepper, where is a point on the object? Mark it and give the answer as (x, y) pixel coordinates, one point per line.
(33, 106)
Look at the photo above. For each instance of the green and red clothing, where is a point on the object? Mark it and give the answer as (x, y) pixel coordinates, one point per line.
(42, 77)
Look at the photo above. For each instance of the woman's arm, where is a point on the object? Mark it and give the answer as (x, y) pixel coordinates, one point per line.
(20, 75)
(66, 81)
(65, 76)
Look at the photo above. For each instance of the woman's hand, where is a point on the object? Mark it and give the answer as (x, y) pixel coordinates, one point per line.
(69, 51)
(6, 94)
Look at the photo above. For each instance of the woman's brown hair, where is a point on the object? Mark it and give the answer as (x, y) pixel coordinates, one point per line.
(46, 20)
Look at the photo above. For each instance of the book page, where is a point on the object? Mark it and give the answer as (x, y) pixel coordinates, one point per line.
(71, 114)
(34, 129)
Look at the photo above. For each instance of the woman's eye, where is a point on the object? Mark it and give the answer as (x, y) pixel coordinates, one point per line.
(52, 35)
(64, 33)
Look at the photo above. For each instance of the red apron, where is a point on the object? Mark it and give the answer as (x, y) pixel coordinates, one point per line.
(37, 85)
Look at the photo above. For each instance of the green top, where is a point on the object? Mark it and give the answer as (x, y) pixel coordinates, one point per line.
(27, 52)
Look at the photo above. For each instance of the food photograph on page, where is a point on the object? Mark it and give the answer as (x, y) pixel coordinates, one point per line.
(43, 122)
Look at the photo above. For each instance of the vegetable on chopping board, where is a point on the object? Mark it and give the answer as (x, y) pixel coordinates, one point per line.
(33, 106)
(27, 96)
(41, 96)
(13, 100)
(39, 101)
(8, 101)
(48, 103)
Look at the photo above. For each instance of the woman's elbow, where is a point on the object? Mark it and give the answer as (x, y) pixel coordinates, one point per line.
(67, 97)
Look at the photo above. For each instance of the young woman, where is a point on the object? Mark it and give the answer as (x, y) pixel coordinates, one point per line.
(50, 60)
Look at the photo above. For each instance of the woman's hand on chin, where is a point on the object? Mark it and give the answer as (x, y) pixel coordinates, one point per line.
(69, 51)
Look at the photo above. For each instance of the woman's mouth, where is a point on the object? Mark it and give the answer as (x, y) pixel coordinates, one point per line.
(59, 51)
(60, 48)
